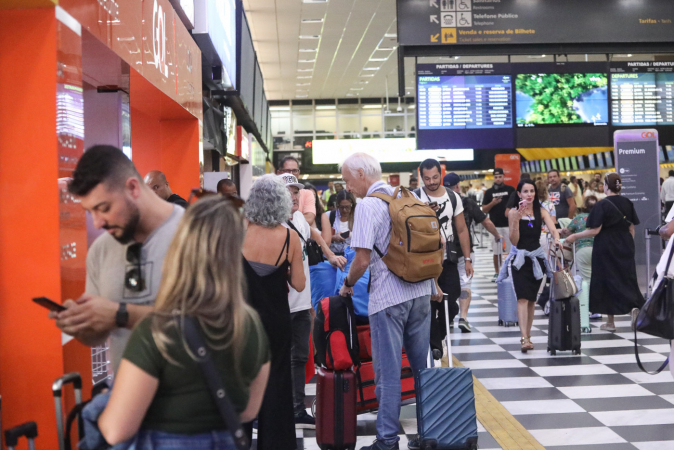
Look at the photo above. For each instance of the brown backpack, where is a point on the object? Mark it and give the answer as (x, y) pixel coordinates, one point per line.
(415, 250)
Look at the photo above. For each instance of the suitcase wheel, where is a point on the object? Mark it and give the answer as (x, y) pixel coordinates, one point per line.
(576, 352)
(586, 330)
(553, 352)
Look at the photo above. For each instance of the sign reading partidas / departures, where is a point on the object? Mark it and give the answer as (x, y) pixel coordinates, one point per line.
(466, 22)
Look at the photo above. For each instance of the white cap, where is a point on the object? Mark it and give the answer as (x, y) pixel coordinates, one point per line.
(291, 180)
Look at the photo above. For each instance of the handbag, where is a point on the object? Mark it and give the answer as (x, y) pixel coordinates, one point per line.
(314, 251)
(657, 315)
(213, 379)
(565, 286)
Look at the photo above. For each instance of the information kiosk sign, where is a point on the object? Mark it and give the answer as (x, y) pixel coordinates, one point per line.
(637, 162)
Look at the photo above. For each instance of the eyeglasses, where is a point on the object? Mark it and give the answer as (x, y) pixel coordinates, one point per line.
(134, 277)
(346, 208)
(293, 171)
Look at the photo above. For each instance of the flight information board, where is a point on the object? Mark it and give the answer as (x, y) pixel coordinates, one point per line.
(464, 101)
(642, 98)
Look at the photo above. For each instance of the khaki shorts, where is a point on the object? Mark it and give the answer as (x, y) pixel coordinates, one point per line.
(495, 246)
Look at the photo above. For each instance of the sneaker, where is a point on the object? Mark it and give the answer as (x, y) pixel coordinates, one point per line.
(595, 316)
(493, 279)
(437, 354)
(414, 444)
(634, 314)
(304, 421)
(464, 326)
(379, 445)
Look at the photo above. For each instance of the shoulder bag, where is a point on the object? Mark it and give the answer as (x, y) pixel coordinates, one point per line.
(565, 286)
(314, 252)
(196, 343)
(657, 315)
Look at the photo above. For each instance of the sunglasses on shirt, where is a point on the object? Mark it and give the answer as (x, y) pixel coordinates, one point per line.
(133, 279)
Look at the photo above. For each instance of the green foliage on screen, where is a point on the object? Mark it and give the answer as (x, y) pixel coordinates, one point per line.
(553, 95)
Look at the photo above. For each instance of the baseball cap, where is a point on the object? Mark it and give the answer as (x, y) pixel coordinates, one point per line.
(451, 179)
(290, 180)
(498, 171)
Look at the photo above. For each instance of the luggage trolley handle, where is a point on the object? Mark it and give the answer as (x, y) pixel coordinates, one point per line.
(75, 379)
(27, 430)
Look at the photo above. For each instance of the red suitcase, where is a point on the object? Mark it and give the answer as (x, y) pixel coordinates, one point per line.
(367, 400)
(336, 409)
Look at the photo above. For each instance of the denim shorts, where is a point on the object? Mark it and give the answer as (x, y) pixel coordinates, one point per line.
(159, 440)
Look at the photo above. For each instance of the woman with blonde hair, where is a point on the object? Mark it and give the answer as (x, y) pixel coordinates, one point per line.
(159, 388)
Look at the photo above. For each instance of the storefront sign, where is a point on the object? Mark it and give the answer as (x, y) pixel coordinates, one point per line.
(384, 150)
(510, 163)
(637, 162)
(480, 22)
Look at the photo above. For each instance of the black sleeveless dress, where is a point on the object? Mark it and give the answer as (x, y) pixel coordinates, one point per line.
(268, 294)
(526, 284)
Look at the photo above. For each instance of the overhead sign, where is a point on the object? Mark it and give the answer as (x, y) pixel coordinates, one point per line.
(383, 150)
(480, 22)
(642, 93)
(637, 162)
(215, 32)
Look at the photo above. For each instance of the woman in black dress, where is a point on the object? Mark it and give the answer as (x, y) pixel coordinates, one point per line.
(614, 289)
(525, 224)
(272, 259)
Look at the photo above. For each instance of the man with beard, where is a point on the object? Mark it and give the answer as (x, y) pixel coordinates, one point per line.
(450, 212)
(123, 265)
(494, 204)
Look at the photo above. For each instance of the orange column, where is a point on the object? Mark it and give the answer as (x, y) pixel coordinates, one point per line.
(164, 136)
(30, 344)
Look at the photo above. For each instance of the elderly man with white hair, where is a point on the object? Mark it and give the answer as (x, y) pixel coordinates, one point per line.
(399, 312)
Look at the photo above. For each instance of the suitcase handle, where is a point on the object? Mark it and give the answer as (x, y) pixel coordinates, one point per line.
(75, 379)
(28, 430)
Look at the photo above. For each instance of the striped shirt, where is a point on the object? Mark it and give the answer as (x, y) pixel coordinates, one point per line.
(372, 226)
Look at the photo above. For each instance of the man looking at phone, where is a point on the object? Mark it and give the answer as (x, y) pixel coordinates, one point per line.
(450, 212)
(494, 204)
(123, 265)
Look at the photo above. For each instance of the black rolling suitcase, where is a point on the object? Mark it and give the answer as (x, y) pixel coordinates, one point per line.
(27, 430)
(564, 326)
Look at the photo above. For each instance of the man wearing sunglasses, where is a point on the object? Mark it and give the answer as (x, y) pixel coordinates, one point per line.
(123, 265)
(290, 165)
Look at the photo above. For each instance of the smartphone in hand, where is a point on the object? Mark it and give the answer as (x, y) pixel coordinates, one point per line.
(433, 204)
(51, 305)
(345, 235)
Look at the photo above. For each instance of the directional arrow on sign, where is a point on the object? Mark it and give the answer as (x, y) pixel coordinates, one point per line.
(434, 37)
(434, 3)
(434, 18)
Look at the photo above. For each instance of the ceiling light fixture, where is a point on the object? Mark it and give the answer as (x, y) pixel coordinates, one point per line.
(390, 35)
(303, 84)
(378, 59)
(314, 1)
(307, 60)
(305, 70)
(304, 78)
(367, 76)
(309, 36)
(386, 49)
(301, 96)
(308, 50)
(371, 68)
(312, 20)
(356, 89)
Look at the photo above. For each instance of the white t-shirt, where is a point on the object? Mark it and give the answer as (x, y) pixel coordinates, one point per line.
(343, 226)
(445, 211)
(299, 301)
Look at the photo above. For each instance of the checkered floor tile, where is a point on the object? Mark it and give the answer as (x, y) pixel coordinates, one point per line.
(598, 400)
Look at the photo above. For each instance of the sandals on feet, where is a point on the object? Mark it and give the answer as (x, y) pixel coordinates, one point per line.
(526, 344)
(607, 327)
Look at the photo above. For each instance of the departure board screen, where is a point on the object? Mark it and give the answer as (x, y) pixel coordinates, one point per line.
(642, 98)
(464, 102)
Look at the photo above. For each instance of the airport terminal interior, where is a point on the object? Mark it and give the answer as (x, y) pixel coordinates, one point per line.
(210, 96)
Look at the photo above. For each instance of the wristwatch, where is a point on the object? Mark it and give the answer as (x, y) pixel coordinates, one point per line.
(468, 259)
(347, 284)
(122, 316)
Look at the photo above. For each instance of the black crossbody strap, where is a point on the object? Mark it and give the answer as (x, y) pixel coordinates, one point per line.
(636, 353)
(619, 211)
(213, 379)
(290, 224)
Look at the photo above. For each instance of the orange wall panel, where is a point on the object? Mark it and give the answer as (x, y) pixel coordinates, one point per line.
(30, 344)
(510, 163)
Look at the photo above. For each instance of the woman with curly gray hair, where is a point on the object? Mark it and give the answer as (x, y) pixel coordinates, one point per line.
(272, 259)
